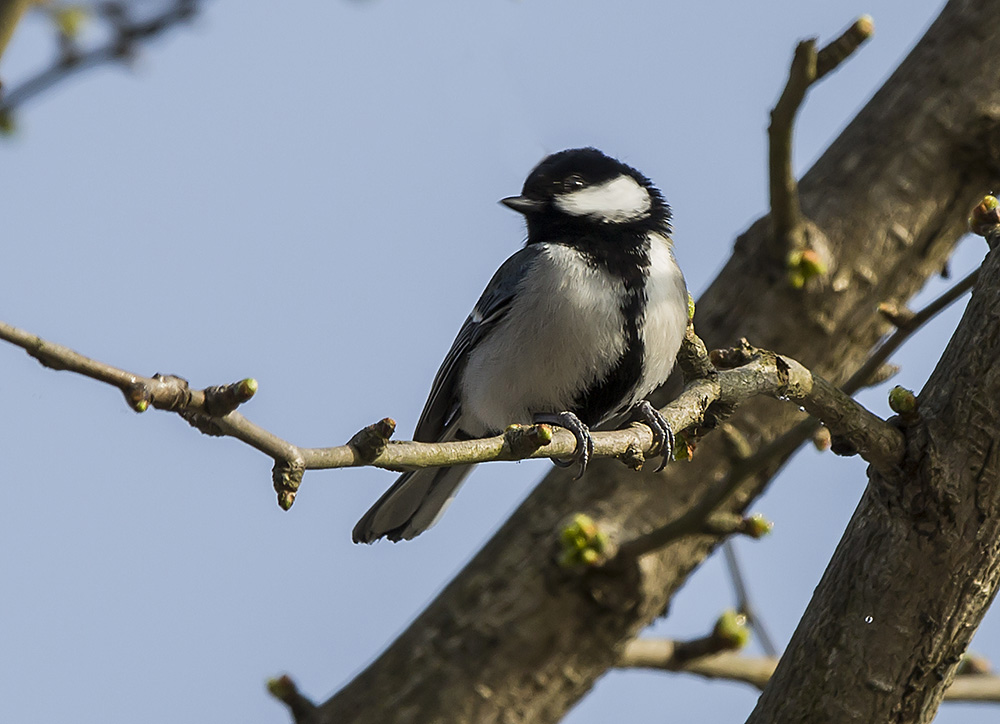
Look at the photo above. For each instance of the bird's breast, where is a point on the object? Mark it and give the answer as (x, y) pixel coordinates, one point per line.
(564, 331)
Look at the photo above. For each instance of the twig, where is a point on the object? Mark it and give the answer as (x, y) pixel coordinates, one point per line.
(285, 690)
(808, 66)
(125, 35)
(760, 372)
(743, 603)
(756, 671)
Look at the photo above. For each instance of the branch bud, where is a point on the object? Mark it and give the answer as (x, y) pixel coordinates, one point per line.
(731, 630)
(902, 401)
(582, 543)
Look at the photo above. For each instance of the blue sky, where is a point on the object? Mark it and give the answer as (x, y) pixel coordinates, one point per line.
(307, 195)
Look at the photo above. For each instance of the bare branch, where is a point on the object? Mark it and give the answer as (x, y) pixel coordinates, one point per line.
(757, 670)
(126, 35)
(212, 411)
(743, 603)
(808, 66)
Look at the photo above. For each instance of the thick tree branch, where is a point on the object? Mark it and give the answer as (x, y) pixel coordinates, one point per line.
(757, 670)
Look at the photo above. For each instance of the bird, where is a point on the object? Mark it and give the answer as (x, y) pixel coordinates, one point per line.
(575, 329)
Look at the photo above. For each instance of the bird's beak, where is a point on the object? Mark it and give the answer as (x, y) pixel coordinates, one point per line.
(521, 204)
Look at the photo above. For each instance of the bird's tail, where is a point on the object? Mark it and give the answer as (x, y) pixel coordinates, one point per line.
(412, 505)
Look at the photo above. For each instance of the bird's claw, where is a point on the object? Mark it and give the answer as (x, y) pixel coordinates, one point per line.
(662, 433)
(584, 442)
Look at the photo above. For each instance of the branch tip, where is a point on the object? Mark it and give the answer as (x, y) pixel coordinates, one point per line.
(220, 400)
(836, 52)
(726, 524)
(284, 690)
(822, 439)
(903, 402)
(371, 441)
(138, 396)
(984, 219)
(287, 477)
(731, 630)
(899, 317)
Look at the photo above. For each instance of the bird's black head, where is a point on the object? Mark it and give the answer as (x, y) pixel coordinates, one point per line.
(582, 187)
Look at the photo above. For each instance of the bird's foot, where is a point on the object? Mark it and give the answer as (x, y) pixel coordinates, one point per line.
(584, 442)
(662, 433)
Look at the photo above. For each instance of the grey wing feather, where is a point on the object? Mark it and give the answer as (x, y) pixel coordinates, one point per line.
(418, 498)
(442, 407)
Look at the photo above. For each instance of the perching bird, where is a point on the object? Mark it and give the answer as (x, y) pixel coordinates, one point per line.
(575, 329)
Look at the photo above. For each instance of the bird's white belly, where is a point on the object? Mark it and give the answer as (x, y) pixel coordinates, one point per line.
(550, 346)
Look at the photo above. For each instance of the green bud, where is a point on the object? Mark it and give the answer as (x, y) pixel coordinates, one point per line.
(757, 526)
(902, 401)
(582, 543)
(984, 217)
(731, 629)
(802, 265)
(70, 19)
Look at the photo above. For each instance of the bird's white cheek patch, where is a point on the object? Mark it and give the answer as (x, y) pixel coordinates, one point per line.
(618, 200)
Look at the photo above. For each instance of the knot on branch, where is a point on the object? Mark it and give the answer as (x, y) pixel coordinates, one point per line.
(693, 358)
(170, 392)
(727, 359)
(204, 424)
(521, 441)
(287, 477)
(633, 457)
(371, 441)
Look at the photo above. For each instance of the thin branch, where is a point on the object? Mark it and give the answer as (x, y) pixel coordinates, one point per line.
(758, 372)
(808, 66)
(743, 603)
(126, 34)
(756, 671)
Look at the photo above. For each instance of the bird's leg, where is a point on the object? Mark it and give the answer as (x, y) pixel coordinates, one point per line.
(584, 442)
(662, 433)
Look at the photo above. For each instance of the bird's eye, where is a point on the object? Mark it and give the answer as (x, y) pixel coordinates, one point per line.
(574, 182)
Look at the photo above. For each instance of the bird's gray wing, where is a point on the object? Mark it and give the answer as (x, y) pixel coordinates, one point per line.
(443, 404)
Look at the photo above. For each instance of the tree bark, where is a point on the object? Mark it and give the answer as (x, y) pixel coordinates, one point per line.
(514, 638)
